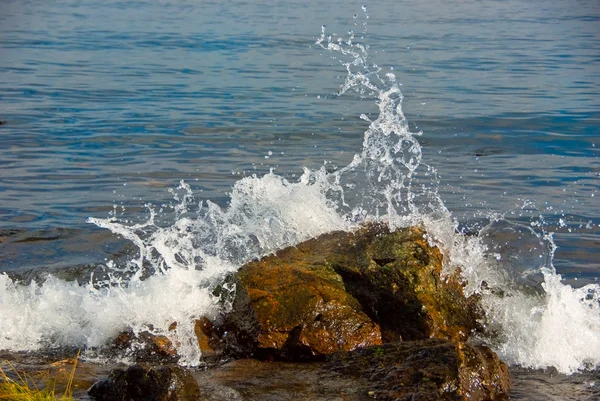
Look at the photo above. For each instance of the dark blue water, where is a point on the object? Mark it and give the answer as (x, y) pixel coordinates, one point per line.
(109, 104)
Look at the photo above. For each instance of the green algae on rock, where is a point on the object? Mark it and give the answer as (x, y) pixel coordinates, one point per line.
(397, 277)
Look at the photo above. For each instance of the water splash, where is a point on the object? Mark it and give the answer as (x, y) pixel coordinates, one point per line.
(532, 319)
(380, 180)
(189, 258)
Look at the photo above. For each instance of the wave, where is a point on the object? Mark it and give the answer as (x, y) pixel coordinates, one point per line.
(533, 319)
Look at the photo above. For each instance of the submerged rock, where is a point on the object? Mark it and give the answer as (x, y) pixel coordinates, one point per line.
(342, 291)
(253, 380)
(426, 370)
(143, 382)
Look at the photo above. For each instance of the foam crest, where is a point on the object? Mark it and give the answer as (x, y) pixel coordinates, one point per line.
(59, 313)
(558, 327)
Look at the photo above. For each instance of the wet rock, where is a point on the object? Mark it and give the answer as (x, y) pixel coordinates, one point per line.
(432, 369)
(345, 290)
(123, 340)
(145, 347)
(209, 339)
(143, 382)
(9, 234)
(293, 305)
(397, 278)
(483, 375)
(240, 327)
(250, 379)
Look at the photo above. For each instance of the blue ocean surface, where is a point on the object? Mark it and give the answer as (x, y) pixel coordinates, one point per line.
(107, 106)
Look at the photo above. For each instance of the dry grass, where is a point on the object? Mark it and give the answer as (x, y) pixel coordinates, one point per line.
(23, 388)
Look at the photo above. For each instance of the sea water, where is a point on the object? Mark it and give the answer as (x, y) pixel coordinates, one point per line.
(205, 136)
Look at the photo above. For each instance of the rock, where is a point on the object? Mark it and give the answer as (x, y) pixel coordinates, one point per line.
(239, 328)
(397, 278)
(145, 347)
(209, 339)
(483, 375)
(142, 382)
(9, 234)
(427, 370)
(250, 379)
(346, 290)
(123, 340)
(293, 305)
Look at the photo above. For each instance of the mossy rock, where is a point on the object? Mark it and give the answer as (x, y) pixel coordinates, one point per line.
(301, 307)
(342, 291)
(427, 370)
(397, 278)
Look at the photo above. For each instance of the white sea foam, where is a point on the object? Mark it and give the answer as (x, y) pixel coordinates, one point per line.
(532, 318)
(59, 313)
(560, 329)
(175, 271)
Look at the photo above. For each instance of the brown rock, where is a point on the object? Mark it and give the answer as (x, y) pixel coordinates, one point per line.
(427, 370)
(158, 344)
(483, 375)
(145, 347)
(208, 337)
(397, 278)
(123, 340)
(345, 290)
(143, 382)
(301, 307)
